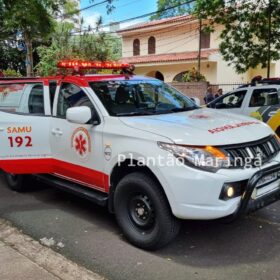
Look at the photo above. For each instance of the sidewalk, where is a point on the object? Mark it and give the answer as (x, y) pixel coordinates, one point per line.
(23, 258)
(13, 265)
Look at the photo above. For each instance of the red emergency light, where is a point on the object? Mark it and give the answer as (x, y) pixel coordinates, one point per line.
(79, 64)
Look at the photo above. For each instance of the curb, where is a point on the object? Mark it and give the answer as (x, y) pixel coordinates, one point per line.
(44, 257)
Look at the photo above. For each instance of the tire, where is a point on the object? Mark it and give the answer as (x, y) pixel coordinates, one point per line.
(17, 182)
(143, 212)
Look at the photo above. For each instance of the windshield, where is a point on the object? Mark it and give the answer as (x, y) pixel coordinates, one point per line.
(128, 98)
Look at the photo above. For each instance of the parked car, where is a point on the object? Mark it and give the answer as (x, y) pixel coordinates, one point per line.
(137, 146)
(258, 101)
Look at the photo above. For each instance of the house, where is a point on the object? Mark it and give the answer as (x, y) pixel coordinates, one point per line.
(166, 48)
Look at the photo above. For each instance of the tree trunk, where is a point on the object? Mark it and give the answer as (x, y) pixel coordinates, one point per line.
(29, 56)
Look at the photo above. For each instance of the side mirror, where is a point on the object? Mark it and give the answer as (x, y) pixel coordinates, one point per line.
(79, 115)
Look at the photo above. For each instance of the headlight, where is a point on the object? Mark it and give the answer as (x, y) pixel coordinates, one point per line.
(207, 158)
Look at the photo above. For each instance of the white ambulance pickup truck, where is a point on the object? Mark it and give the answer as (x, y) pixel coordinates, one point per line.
(138, 147)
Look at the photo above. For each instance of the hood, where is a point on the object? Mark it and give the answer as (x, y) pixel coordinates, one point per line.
(202, 127)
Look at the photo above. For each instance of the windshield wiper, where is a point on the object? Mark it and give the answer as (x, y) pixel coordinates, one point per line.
(141, 113)
(157, 112)
(175, 110)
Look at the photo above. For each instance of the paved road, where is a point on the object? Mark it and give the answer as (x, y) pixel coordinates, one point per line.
(247, 249)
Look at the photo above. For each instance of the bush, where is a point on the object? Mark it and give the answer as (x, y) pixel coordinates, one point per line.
(193, 76)
(11, 73)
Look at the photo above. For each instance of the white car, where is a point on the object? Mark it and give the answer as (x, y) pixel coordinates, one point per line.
(138, 147)
(260, 101)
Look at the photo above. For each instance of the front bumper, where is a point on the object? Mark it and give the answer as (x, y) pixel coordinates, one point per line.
(249, 204)
(194, 194)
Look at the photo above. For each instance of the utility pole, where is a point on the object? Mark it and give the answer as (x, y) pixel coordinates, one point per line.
(199, 47)
(269, 39)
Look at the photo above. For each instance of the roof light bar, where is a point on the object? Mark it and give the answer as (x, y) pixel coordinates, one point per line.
(74, 64)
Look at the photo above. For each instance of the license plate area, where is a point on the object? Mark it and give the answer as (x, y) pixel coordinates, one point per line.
(268, 179)
(267, 184)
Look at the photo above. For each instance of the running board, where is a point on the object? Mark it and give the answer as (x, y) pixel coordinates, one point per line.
(95, 196)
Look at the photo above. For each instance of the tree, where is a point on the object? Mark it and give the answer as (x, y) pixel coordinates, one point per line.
(32, 19)
(181, 9)
(11, 57)
(251, 30)
(86, 46)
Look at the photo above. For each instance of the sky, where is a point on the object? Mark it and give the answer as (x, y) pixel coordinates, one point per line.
(124, 9)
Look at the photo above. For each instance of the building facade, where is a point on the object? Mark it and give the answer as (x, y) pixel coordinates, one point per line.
(167, 48)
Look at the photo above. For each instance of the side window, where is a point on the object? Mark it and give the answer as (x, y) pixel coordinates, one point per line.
(25, 98)
(70, 96)
(233, 100)
(36, 100)
(264, 97)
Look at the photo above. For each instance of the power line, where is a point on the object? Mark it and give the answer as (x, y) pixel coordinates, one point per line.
(158, 31)
(135, 18)
(191, 32)
(86, 8)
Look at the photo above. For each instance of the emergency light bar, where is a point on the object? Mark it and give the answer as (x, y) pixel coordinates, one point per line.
(78, 64)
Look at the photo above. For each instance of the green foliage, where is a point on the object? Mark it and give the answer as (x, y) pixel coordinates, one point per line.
(193, 76)
(164, 4)
(11, 57)
(248, 40)
(85, 47)
(30, 18)
(11, 73)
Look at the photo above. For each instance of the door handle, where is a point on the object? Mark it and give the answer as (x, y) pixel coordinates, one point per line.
(57, 132)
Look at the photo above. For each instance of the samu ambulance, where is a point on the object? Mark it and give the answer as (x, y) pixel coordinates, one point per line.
(137, 146)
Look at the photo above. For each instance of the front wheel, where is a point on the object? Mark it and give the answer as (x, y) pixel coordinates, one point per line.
(143, 212)
(16, 182)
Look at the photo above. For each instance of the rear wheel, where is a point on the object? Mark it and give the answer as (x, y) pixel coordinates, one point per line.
(17, 182)
(143, 212)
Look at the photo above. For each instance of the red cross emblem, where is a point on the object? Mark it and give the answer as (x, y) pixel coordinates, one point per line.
(80, 144)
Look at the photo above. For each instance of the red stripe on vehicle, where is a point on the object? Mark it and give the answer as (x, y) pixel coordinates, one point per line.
(84, 174)
(93, 178)
(28, 166)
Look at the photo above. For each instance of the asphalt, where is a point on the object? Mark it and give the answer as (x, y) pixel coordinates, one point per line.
(246, 249)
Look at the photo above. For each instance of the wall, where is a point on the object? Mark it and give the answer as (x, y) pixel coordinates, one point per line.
(168, 40)
(192, 89)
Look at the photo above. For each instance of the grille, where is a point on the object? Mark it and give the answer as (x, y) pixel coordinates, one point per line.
(254, 153)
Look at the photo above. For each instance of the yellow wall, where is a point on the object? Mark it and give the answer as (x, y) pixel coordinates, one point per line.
(182, 37)
(168, 40)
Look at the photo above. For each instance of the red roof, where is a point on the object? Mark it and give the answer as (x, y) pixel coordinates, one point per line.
(157, 22)
(170, 57)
